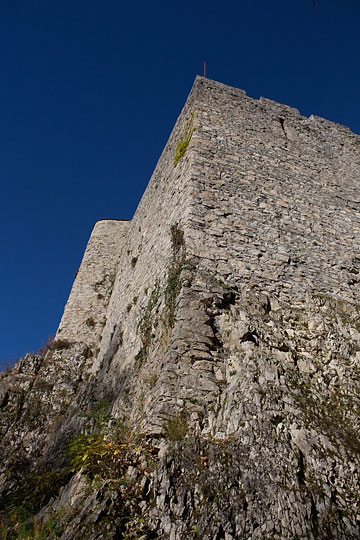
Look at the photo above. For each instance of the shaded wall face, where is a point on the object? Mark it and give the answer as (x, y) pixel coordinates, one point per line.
(85, 312)
(147, 252)
(275, 195)
(123, 260)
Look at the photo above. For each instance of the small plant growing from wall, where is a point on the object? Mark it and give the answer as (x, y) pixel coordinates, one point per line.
(177, 428)
(90, 322)
(185, 139)
(46, 346)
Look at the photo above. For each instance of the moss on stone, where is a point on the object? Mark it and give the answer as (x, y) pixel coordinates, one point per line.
(185, 139)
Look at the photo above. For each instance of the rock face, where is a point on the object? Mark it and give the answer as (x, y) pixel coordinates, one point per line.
(205, 378)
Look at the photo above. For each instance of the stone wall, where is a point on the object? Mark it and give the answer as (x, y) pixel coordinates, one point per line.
(265, 323)
(85, 312)
(275, 195)
(265, 197)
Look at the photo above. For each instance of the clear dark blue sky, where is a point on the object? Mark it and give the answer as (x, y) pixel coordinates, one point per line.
(89, 92)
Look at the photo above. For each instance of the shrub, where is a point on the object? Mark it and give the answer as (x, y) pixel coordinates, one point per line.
(96, 455)
(20, 525)
(46, 347)
(107, 452)
(177, 428)
(90, 322)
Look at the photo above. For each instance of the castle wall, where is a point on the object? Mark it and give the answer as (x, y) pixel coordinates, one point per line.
(276, 200)
(266, 198)
(85, 311)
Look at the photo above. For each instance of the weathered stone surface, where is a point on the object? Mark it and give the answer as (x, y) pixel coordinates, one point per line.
(85, 311)
(231, 344)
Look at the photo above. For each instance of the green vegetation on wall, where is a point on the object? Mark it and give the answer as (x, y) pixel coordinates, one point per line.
(185, 139)
(106, 452)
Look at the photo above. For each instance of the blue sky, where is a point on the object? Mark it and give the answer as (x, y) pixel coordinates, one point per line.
(89, 92)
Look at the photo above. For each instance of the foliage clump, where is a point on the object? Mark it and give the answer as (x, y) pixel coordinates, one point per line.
(115, 460)
(96, 454)
(18, 509)
(19, 524)
(90, 322)
(177, 428)
(185, 140)
(102, 447)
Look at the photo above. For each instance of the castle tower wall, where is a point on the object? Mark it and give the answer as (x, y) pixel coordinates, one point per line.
(276, 200)
(267, 199)
(85, 311)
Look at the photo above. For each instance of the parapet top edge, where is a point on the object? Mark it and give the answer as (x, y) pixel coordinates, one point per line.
(110, 219)
(199, 79)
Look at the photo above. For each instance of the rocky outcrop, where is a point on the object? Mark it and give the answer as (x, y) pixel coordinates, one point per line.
(219, 399)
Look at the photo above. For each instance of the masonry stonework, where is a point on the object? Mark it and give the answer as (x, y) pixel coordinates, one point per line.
(85, 312)
(275, 195)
